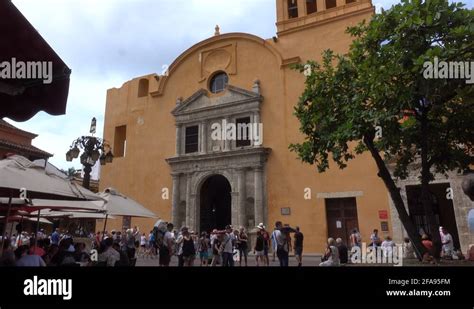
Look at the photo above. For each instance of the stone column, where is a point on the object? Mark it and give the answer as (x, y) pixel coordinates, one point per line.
(175, 202)
(321, 5)
(301, 7)
(194, 224)
(178, 139)
(227, 142)
(256, 126)
(241, 197)
(188, 200)
(259, 217)
(204, 137)
(235, 210)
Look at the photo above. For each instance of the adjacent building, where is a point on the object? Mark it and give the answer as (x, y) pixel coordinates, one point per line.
(17, 141)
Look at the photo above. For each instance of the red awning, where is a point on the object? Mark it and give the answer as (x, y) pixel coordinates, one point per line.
(21, 99)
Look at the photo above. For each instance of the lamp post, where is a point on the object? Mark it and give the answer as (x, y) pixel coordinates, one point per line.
(94, 149)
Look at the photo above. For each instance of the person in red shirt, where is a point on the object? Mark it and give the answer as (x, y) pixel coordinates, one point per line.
(38, 249)
(428, 244)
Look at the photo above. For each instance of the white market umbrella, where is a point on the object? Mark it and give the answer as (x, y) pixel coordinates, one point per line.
(71, 214)
(17, 218)
(65, 205)
(17, 172)
(117, 204)
(19, 175)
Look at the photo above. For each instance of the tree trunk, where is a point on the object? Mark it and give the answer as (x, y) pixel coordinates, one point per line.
(425, 191)
(407, 223)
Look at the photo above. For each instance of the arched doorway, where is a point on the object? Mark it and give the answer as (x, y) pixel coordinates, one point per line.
(216, 204)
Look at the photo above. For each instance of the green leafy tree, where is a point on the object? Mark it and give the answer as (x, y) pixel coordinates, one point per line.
(381, 86)
(71, 172)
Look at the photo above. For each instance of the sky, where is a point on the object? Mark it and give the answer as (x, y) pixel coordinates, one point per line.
(108, 42)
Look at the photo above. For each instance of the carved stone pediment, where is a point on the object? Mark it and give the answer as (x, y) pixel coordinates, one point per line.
(232, 100)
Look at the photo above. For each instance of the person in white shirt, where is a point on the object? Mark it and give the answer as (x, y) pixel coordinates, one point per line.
(109, 256)
(228, 248)
(166, 250)
(448, 245)
(332, 254)
(143, 242)
(283, 248)
(387, 247)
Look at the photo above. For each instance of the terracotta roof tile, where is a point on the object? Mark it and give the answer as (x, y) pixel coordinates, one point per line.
(29, 149)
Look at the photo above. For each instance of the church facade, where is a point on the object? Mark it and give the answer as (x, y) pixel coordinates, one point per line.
(177, 137)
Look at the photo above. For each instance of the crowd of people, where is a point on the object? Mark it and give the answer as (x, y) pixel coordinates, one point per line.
(337, 253)
(229, 247)
(30, 250)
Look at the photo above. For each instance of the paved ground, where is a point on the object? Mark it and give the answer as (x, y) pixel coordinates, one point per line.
(308, 260)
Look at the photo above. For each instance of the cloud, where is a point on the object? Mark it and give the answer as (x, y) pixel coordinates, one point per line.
(108, 42)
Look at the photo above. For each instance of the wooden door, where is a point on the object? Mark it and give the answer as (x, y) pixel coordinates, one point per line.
(341, 215)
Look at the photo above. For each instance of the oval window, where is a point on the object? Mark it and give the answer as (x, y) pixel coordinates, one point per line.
(219, 82)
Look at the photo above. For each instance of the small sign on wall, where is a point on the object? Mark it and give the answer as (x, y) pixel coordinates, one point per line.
(383, 215)
(339, 224)
(286, 211)
(384, 226)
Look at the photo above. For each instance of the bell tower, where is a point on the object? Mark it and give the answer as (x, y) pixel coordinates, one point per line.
(294, 15)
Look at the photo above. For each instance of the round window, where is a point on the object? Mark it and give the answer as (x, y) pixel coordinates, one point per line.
(219, 82)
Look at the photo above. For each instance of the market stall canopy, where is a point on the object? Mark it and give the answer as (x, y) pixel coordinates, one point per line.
(21, 98)
(20, 218)
(117, 204)
(17, 173)
(65, 205)
(71, 214)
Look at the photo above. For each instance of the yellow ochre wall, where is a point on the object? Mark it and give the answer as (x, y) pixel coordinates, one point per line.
(151, 131)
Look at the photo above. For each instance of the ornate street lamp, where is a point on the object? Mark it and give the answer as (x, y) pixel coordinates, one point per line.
(94, 149)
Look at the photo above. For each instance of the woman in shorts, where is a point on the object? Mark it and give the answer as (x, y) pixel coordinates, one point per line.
(204, 249)
(258, 250)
